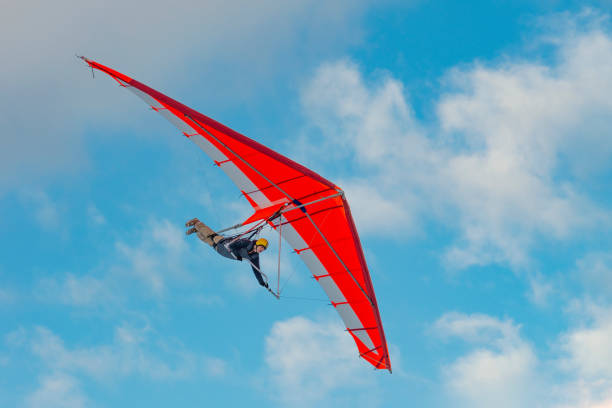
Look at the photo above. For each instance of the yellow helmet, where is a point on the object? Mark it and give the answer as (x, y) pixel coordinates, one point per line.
(263, 242)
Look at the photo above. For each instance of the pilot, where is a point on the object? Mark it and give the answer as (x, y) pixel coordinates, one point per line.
(232, 248)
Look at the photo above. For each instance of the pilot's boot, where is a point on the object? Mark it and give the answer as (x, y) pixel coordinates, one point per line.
(191, 223)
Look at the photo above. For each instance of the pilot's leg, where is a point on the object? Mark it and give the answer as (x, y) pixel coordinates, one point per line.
(206, 234)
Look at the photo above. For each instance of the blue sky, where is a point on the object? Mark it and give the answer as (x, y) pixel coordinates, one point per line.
(472, 139)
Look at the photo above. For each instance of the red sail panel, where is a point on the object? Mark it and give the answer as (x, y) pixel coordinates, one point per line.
(316, 218)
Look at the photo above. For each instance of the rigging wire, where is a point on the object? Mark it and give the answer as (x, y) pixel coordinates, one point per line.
(303, 298)
(287, 281)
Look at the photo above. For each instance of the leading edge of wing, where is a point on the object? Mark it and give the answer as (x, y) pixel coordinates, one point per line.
(193, 114)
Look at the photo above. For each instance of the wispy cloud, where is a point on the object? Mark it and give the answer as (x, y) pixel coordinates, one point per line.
(541, 290)
(77, 291)
(46, 212)
(95, 216)
(157, 257)
(141, 265)
(133, 352)
(7, 296)
(594, 270)
(57, 390)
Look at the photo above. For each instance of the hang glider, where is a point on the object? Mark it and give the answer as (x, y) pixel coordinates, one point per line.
(312, 213)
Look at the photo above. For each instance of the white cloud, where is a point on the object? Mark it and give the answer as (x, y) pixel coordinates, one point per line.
(57, 390)
(373, 127)
(485, 378)
(589, 347)
(378, 212)
(507, 163)
(520, 121)
(307, 361)
(500, 372)
(585, 353)
(500, 368)
(478, 328)
(583, 394)
(212, 41)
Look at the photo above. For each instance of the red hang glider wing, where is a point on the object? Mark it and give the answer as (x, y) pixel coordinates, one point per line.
(316, 219)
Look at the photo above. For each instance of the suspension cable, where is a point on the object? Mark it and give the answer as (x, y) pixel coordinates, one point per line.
(280, 235)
